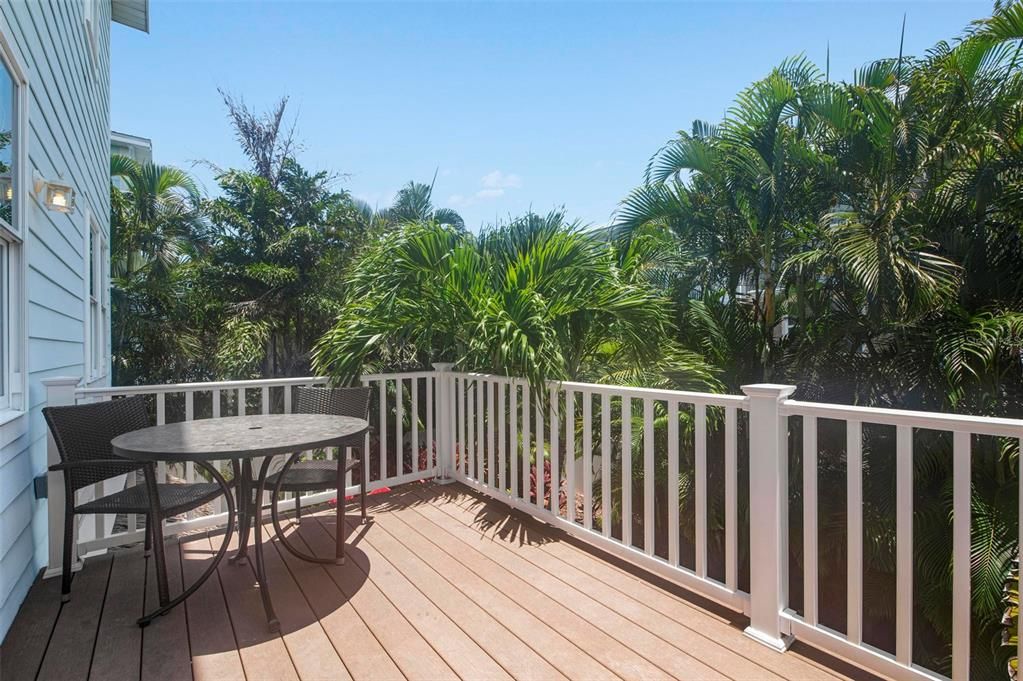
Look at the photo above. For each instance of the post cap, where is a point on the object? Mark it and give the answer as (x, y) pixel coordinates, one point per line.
(443, 366)
(776, 390)
(61, 380)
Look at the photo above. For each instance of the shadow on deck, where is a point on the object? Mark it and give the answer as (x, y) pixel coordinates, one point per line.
(442, 584)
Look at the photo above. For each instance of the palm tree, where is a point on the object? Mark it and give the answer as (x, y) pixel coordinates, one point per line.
(414, 203)
(538, 297)
(156, 232)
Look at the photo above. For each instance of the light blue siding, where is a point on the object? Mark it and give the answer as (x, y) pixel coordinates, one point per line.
(68, 133)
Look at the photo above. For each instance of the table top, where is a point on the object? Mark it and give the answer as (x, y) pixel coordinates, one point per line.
(237, 437)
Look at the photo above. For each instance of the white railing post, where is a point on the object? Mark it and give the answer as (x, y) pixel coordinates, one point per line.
(60, 392)
(442, 431)
(768, 474)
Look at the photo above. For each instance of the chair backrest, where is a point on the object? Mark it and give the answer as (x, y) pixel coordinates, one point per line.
(333, 401)
(83, 433)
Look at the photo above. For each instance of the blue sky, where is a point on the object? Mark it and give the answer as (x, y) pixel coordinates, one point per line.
(515, 105)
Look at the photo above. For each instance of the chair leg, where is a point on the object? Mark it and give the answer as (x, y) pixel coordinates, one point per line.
(298, 508)
(339, 531)
(147, 548)
(364, 465)
(69, 540)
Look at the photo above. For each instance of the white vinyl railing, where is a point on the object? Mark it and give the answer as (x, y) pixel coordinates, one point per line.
(694, 487)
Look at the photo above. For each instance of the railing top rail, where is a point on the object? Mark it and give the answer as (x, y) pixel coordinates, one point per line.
(184, 387)
(713, 399)
(980, 425)
(105, 391)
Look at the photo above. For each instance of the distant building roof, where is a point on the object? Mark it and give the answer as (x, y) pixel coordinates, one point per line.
(130, 140)
(131, 13)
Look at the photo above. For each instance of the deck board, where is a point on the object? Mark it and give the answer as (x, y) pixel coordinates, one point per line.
(119, 640)
(215, 654)
(74, 635)
(443, 584)
(165, 646)
(362, 654)
(514, 656)
(414, 656)
(22, 652)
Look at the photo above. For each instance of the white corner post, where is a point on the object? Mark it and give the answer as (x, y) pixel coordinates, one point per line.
(60, 391)
(768, 474)
(445, 419)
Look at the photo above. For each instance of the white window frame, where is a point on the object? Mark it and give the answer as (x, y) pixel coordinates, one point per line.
(89, 19)
(13, 293)
(96, 299)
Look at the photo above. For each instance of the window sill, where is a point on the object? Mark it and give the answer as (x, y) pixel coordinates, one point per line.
(7, 415)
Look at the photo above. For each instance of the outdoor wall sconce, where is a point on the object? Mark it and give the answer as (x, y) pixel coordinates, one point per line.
(6, 188)
(58, 196)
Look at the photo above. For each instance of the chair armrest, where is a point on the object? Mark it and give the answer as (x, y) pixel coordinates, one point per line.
(65, 465)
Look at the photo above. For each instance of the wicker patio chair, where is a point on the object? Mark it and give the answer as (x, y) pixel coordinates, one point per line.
(316, 475)
(82, 434)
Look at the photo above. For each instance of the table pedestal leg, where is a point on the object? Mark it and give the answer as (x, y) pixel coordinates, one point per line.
(243, 475)
(264, 588)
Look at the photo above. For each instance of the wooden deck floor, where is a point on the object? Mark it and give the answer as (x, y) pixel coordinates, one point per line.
(441, 585)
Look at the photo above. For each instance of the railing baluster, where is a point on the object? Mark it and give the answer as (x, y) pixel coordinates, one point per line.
(415, 426)
(605, 463)
(399, 427)
(240, 410)
(527, 435)
(903, 545)
(961, 609)
(382, 447)
(474, 442)
(539, 453)
(463, 426)
(161, 418)
(700, 475)
(431, 458)
(513, 444)
(502, 438)
(673, 501)
(287, 398)
(189, 415)
(570, 481)
(216, 403)
(649, 473)
(458, 439)
(264, 400)
(478, 435)
(365, 449)
(587, 402)
(810, 520)
(626, 470)
(854, 514)
(491, 434)
(555, 426)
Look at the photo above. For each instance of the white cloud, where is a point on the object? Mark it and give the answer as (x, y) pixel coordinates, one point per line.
(499, 180)
(493, 185)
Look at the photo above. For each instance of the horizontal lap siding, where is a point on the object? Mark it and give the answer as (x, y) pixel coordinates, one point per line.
(68, 137)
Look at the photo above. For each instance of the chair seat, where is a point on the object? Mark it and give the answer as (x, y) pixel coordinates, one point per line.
(308, 476)
(174, 499)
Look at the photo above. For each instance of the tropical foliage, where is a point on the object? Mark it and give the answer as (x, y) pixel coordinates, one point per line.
(538, 298)
(862, 240)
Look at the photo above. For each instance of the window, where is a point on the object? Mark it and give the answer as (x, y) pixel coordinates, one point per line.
(12, 160)
(8, 159)
(98, 255)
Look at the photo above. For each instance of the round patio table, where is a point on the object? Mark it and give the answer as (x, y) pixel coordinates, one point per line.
(239, 439)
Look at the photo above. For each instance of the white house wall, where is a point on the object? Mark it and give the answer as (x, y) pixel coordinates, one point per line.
(68, 137)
